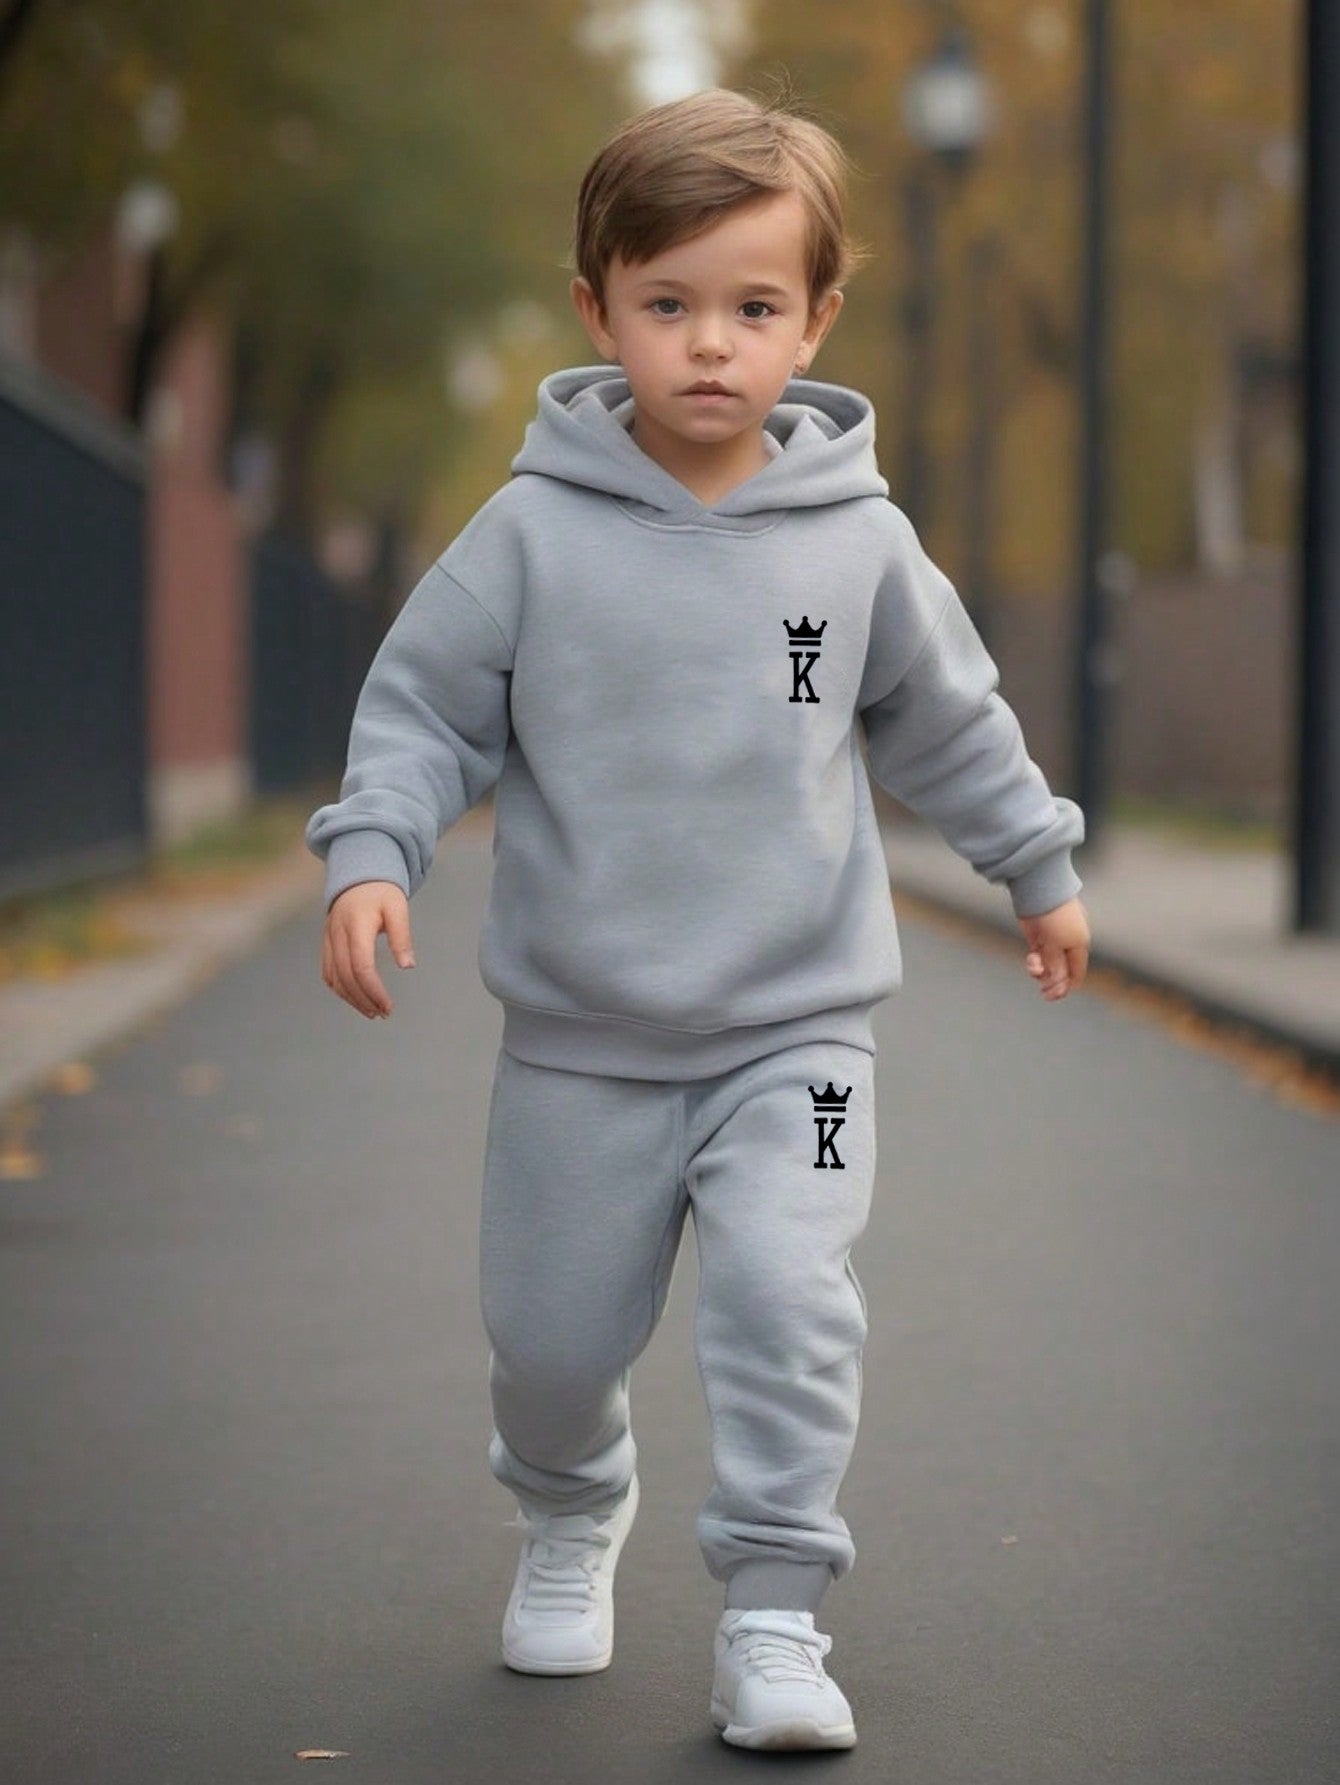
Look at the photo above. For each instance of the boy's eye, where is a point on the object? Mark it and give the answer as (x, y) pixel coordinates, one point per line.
(753, 307)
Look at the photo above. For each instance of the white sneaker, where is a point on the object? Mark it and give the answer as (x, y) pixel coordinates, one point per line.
(770, 1689)
(560, 1617)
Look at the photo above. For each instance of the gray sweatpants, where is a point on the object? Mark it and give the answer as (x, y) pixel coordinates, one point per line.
(587, 1181)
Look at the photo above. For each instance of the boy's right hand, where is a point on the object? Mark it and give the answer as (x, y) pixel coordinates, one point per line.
(349, 945)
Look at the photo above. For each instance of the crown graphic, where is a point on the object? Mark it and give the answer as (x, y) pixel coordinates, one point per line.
(805, 634)
(828, 1098)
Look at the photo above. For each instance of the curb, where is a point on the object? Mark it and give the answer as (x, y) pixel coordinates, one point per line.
(1318, 1051)
(46, 1025)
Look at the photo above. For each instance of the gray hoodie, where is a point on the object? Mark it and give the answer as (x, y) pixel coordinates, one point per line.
(669, 697)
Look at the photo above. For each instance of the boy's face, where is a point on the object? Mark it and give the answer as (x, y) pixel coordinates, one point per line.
(730, 306)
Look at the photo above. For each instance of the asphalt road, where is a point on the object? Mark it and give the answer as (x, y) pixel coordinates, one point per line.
(245, 1499)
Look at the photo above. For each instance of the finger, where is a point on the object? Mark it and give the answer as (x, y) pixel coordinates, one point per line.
(397, 933)
(362, 958)
(328, 958)
(345, 984)
(349, 987)
(1056, 975)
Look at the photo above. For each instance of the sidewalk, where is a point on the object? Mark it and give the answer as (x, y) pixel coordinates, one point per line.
(1205, 922)
(46, 1025)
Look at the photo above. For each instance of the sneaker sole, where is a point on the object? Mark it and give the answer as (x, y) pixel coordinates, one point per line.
(590, 1663)
(790, 1732)
(595, 1664)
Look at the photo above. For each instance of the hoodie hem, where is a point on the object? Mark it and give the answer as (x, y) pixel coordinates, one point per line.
(614, 1048)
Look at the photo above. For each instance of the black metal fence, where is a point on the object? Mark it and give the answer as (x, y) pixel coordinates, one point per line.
(311, 644)
(72, 696)
(73, 753)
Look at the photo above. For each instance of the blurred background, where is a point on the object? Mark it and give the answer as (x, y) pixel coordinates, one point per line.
(278, 283)
(277, 286)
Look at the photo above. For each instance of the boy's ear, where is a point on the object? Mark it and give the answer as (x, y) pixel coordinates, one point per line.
(822, 319)
(592, 314)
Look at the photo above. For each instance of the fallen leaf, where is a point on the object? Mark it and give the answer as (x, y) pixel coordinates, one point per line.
(19, 1161)
(74, 1078)
(1009, 1540)
(200, 1078)
(321, 1754)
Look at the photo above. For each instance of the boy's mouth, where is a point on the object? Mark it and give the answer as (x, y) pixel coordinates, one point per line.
(707, 388)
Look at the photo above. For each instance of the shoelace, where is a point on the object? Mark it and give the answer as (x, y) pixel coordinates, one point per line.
(562, 1553)
(781, 1651)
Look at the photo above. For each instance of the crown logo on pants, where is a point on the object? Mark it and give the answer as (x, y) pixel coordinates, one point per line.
(830, 1114)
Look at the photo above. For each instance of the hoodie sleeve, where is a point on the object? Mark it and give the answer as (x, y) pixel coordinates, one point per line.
(943, 741)
(427, 741)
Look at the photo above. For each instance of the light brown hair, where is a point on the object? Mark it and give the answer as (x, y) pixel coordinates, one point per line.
(670, 172)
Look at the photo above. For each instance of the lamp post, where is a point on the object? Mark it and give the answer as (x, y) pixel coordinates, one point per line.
(1096, 661)
(947, 110)
(146, 221)
(1316, 817)
(984, 256)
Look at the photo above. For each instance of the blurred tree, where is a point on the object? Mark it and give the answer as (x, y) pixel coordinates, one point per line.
(15, 18)
(355, 187)
(1203, 259)
(1207, 264)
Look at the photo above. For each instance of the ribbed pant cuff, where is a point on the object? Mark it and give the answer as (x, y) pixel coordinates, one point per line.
(791, 1586)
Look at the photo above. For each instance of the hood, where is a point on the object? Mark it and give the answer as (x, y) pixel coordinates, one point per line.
(821, 438)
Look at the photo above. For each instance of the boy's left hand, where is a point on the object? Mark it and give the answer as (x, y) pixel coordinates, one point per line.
(1059, 945)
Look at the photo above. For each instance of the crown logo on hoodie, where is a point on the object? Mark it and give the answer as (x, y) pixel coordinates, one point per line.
(803, 659)
(805, 634)
(830, 1114)
(828, 1098)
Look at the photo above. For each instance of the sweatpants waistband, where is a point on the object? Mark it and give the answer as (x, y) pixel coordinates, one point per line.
(622, 1049)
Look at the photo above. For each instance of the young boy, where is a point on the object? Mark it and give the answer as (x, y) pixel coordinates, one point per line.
(657, 639)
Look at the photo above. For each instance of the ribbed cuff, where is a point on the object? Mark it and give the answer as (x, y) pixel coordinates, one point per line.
(355, 856)
(1045, 885)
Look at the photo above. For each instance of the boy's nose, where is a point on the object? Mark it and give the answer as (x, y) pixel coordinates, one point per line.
(710, 342)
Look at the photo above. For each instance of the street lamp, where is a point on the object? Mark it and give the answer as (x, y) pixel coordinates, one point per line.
(947, 109)
(146, 220)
